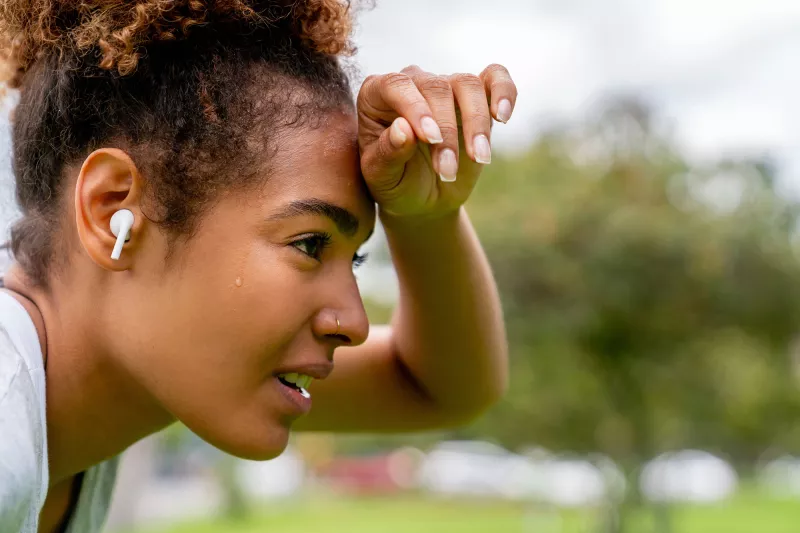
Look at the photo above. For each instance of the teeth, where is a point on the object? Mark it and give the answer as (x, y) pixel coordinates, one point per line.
(291, 378)
(301, 380)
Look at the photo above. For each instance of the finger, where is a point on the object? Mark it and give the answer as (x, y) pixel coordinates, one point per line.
(439, 95)
(388, 155)
(396, 94)
(476, 122)
(501, 90)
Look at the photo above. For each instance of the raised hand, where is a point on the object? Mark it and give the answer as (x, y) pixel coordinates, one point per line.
(424, 138)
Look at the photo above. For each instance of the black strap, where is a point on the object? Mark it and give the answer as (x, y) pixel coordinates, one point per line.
(74, 498)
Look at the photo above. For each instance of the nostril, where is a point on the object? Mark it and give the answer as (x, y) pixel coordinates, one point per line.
(344, 339)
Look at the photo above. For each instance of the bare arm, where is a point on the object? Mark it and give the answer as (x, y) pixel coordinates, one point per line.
(424, 140)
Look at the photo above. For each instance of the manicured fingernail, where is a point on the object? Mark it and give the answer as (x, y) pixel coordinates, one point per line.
(483, 151)
(448, 165)
(431, 130)
(504, 110)
(397, 136)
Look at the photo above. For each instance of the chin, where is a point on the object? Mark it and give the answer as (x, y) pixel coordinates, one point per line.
(261, 443)
(255, 442)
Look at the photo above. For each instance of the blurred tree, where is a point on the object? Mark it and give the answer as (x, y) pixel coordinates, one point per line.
(651, 305)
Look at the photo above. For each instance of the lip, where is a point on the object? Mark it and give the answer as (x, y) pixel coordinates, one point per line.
(298, 404)
(317, 370)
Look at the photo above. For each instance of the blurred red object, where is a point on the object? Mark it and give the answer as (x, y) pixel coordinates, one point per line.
(379, 474)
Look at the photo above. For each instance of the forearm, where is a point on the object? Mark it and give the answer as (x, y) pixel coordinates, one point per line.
(448, 328)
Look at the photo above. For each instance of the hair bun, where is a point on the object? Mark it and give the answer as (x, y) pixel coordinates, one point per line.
(119, 29)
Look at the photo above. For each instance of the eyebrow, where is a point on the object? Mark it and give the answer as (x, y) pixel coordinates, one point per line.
(345, 221)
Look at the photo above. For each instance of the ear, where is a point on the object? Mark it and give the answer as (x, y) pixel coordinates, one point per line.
(108, 181)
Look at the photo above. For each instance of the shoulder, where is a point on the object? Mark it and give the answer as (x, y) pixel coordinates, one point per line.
(23, 441)
(21, 360)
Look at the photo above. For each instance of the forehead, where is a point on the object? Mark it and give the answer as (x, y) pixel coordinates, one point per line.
(322, 163)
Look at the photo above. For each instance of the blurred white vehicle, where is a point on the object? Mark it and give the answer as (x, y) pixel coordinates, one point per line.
(474, 468)
(781, 477)
(573, 483)
(688, 476)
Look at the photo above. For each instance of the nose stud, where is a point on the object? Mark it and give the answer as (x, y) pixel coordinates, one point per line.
(338, 325)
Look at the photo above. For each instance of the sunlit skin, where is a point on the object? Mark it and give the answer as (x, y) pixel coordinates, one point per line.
(198, 329)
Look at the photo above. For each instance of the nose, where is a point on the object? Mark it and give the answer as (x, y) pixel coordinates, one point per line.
(343, 321)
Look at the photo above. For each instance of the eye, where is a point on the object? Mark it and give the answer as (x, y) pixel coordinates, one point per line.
(359, 259)
(313, 245)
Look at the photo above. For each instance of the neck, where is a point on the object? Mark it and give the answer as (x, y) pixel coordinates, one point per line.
(95, 409)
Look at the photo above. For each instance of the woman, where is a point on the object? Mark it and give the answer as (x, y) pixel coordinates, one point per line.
(226, 132)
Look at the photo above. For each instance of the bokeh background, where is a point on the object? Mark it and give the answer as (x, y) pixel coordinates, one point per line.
(641, 216)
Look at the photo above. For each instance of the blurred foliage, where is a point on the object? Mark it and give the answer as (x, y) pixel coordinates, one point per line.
(377, 312)
(651, 304)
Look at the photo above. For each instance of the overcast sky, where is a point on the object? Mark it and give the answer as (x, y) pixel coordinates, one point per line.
(723, 72)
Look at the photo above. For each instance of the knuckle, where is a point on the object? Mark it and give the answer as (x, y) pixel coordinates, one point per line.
(394, 80)
(448, 129)
(369, 82)
(436, 86)
(495, 68)
(470, 81)
(479, 122)
(411, 69)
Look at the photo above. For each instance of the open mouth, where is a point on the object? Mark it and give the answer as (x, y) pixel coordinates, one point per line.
(298, 382)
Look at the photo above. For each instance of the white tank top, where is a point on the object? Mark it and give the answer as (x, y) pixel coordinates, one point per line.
(23, 435)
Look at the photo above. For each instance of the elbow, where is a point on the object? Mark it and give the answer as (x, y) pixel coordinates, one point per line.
(493, 392)
(496, 384)
(500, 388)
(458, 402)
(475, 400)
(464, 413)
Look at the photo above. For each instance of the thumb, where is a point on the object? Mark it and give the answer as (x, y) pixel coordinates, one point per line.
(384, 160)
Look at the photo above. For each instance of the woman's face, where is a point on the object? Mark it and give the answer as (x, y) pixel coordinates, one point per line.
(255, 293)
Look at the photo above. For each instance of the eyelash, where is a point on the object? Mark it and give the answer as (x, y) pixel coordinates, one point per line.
(322, 241)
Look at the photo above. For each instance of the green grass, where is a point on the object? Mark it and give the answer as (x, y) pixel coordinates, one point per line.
(748, 513)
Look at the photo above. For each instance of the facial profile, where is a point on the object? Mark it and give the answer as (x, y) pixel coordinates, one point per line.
(241, 173)
(254, 294)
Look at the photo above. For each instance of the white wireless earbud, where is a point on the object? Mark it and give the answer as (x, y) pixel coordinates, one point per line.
(121, 224)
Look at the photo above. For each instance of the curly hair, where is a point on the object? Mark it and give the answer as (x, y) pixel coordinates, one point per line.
(190, 88)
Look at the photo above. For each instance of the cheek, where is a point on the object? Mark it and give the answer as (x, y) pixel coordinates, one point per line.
(220, 322)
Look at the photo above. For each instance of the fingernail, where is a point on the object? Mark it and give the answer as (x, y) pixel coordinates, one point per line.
(397, 136)
(504, 110)
(448, 165)
(431, 130)
(483, 151)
